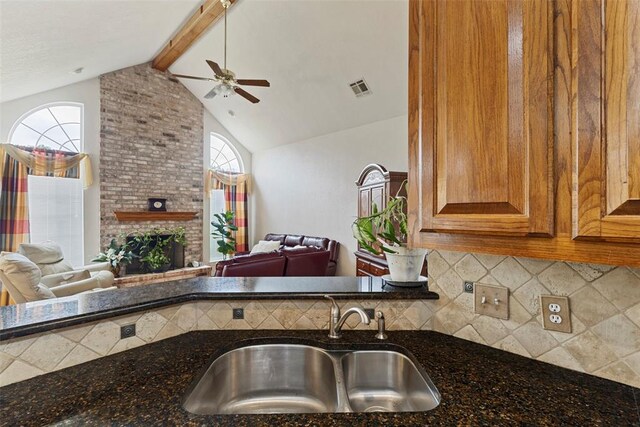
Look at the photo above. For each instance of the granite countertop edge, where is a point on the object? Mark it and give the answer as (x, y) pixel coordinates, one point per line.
(27, 319)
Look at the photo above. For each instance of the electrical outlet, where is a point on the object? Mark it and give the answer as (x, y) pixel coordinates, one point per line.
(556, 314)
(370, 312)
(491, 300)
(468, 287)
(238, 313)
(555, 318)
(128, 331)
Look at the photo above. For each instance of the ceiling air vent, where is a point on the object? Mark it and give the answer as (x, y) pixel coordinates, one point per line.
(360, 88)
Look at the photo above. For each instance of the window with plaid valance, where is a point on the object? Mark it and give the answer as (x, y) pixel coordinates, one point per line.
(225, 173)
(44, 142)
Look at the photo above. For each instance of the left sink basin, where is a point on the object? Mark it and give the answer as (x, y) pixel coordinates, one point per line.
(263, 379)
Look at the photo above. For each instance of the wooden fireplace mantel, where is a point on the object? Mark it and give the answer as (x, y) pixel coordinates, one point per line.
(154, 216)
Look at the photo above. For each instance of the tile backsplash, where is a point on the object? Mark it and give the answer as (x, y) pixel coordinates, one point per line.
(604, 301)
(33, 355)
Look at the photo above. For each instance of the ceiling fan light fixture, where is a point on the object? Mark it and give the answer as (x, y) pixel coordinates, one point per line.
(224, 90)
(227, 82)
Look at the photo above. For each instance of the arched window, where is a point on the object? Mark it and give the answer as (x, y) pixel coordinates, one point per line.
(55, 126)
(55, 203)
(224, 156)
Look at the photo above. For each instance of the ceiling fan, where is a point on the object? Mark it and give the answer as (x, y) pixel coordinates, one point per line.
(227, 82)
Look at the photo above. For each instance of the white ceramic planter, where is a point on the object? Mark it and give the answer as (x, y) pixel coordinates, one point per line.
(406, 264)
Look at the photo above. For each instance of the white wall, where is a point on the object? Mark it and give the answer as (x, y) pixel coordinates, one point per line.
(211, 125)
(309, 187)
(88, 93)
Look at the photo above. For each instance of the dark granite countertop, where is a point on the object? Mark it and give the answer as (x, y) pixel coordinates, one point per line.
(24, 319)
(480, 386)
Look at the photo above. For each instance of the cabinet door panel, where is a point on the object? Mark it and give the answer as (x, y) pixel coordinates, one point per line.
(607, 84)
(378, 198)
(487, 159)
(364, 199)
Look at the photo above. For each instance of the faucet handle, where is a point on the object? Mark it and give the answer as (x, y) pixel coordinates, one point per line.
(335, 309)
(330, 298)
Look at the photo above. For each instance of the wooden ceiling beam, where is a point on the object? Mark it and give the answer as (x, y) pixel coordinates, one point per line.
(207, 14)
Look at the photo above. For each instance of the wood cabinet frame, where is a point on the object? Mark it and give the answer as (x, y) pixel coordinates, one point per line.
(564, 245)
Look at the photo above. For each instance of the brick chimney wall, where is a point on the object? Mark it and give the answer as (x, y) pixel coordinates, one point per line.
(151, 145)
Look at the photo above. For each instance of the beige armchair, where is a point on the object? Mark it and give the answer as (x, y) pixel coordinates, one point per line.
(39, 271)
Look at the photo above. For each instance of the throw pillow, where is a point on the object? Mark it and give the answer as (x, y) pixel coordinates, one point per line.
(55, 268)
(47, 256)
(265, 246)
(24, 275)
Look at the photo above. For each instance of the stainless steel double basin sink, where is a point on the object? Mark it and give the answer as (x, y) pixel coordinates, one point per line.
(291, 378)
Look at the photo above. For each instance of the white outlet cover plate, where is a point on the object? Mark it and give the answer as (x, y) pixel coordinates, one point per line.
(554, 306)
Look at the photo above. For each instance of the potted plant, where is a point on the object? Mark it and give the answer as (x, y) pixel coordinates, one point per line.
(385, 232)
(223, 233)
(117, 255)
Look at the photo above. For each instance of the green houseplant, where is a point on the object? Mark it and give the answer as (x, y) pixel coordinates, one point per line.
(223, 233)
(153, 246)
(118, 256)
(385, 232)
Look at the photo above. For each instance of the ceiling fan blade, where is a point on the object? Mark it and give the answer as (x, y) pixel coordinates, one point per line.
(249, 82)
(194, 77)
(210, 94)
(216, 68)
(243, 93)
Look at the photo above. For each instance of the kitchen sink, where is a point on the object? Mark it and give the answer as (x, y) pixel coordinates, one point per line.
(386, 381)
(291, 378)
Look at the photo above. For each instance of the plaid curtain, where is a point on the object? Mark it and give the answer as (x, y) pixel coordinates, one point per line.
(14, 213)
(235, 200)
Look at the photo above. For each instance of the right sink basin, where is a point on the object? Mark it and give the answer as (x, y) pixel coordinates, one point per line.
(386, 381)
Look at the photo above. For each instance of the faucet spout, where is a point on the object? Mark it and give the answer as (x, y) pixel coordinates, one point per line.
(336, 321)
(364, 318)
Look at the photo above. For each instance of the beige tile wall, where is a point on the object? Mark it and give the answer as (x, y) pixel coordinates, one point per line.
(28, 357)
(605, 304)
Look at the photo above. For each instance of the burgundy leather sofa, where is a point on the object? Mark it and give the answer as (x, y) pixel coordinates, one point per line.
(265, 267)
(318, 258)
(290, 240)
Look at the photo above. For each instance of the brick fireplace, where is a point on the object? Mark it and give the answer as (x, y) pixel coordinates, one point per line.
(151, 145)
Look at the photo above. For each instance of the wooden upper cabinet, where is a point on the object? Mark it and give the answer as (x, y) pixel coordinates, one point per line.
(607, 120)
(481, 98)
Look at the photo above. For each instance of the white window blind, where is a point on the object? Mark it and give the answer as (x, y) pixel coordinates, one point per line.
(216, 206)
(56, 214)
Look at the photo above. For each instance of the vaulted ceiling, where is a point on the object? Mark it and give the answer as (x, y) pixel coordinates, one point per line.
(309, 50)
(43, 41)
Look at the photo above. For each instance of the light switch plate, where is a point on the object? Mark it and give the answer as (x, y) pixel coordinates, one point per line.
(556, 313)
(491, 300)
